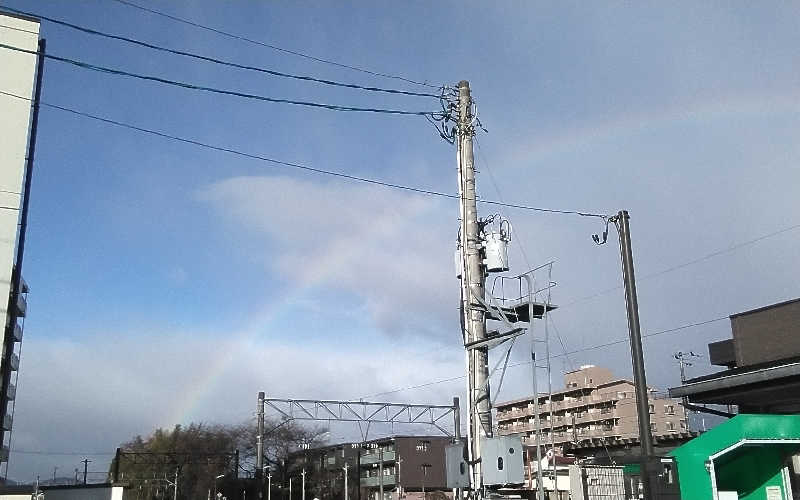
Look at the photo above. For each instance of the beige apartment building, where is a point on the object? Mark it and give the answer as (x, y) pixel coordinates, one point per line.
(594, 406)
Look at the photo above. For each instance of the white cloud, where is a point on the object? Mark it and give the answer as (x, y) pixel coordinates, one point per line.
(391, 249)
(75, 399)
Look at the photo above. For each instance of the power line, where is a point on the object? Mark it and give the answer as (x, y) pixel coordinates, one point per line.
(590, 348)
(520, 245)
(218, 61)
(290, 164)
(191, 86)
(273, 47)
(688, 263)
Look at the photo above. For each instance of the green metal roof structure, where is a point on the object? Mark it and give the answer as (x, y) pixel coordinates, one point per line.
(747, 454)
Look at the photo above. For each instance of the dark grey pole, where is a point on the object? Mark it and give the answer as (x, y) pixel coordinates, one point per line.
(260, 446)
(637, 356)
(457, 432)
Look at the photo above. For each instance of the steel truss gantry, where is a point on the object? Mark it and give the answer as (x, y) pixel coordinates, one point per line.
(366, 412)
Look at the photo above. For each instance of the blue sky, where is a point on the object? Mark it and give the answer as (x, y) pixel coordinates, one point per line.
(171, 283)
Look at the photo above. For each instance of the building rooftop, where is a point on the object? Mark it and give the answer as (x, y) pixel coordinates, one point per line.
(569, 390)
(765, 308)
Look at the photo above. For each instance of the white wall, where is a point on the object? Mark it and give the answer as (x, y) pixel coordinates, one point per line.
(78, 493)
(17, 77)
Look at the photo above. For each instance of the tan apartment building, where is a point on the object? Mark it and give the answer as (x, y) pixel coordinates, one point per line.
(594, 405)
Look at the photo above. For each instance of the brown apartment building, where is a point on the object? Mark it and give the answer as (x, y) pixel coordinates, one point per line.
(594, 406)
(404, 467)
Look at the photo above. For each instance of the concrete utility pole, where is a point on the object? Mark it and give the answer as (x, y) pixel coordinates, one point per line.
(304, 484)
(269, 485)
(637, 356)
(681, 357)
(472, 282)
(260, 445)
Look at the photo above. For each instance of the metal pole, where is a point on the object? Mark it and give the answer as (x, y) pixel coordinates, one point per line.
(637, 356)
(175, 493)
(260, 444)
(260, 436)
(358, 473)
(85, 468)
(472, 282)
(304, 484)
(550, 378)
(537, 424)
(16, 273)
(236, 465)
(380, 471)
(290, 488)
(346, 495)
(456, 435)
(269, 486)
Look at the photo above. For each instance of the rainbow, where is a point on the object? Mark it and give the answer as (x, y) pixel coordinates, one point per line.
(542, 148)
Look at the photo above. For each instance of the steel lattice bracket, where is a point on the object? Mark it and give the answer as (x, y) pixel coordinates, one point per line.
(362, 412)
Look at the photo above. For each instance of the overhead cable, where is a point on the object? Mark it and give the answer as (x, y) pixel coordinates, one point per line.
(274, 47)
(191, 86)
(291, 164)
(688, 263)
(589, 348)
(218, 61)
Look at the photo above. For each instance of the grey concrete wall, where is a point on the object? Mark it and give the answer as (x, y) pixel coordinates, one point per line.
(767, 334)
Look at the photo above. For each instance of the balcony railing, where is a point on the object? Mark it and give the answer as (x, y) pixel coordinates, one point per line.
(375, 481)
(374, 458)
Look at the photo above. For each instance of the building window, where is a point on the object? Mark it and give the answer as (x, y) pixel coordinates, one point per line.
(423, 445)
(653, 426)
(652, 408)
(670, 426)
(683, 424)
(669, 410)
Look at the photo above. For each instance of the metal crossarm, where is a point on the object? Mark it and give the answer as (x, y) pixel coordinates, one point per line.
(361, 411)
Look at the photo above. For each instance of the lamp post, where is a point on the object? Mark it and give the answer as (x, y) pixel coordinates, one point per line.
(424, 476)
(215, 484)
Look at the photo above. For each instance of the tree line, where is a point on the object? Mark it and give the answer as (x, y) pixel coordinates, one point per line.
(206, 459)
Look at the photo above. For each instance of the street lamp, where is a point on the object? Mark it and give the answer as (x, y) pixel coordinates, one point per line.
(215, 484)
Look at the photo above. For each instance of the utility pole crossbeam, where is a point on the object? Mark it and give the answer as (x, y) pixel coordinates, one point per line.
(473, 286)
